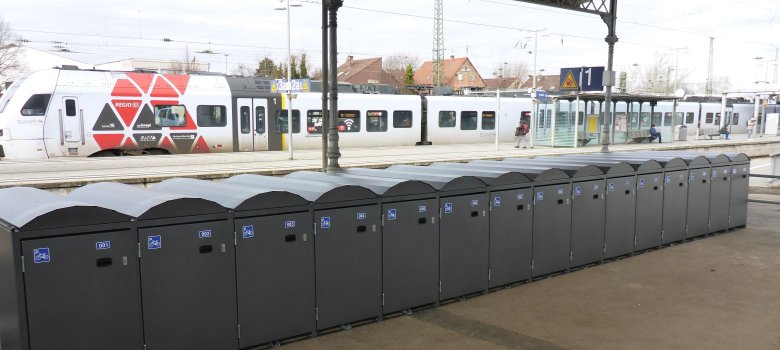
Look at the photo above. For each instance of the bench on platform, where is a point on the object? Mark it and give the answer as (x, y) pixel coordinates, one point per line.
(583, 138)
(709, 132)
(638, 136)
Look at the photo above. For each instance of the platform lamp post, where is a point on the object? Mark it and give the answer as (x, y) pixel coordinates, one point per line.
(289, 79)
(534, 113)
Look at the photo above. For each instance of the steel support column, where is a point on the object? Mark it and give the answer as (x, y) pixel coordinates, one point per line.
(324, 116)
(610, 19)
(333, 133)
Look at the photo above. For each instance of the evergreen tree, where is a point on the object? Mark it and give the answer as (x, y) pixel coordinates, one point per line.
(293, 68)
(409, 75)
(304, 72)
(266, 69)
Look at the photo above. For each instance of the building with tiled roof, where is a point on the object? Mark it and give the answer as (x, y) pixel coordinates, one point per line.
(550, 83)
(365, 71)
(459, 75)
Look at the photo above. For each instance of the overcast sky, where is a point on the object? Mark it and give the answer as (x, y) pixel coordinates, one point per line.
(487, 31)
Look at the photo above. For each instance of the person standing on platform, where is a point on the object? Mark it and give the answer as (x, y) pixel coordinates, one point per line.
(521, 132)
(751, 125)
(654, 133)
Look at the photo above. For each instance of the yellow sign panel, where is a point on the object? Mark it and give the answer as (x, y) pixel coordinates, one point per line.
(593, 123)
(569, 82)
(305, 85)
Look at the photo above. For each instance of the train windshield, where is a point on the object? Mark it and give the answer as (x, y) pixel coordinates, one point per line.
(36, 105)
(6, 97)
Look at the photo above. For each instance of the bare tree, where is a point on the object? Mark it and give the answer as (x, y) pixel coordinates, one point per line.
(396, 65)
(242, 70)
(188, 64)
(10, 62)
(659, 75)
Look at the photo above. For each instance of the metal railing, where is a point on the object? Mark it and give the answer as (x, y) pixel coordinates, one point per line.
(774, 177)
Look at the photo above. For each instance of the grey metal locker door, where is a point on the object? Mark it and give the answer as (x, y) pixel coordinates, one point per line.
(587, 222)
(649, 210)
(698, 202)
(410, 254)
(189, 286)
(348, 264)
(739, 192)
(275, 277)
(464, 246)
(552, 228)
(511, 219)
(621, 216)
(675, 206)
(720, 201)
(83, 292)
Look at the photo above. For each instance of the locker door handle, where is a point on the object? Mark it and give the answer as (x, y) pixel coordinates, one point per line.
(361, 228)
(205, 249)
(289, 238)
(422, 221)
(474, 214)
(104, 262)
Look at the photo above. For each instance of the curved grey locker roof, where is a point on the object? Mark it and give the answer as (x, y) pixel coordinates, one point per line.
(456, 182)
(32, 209)
(691, 159)
(142, 203)
(496, 177)
(537, 174)
(385, 186)
(232, 196)
(438, 182)
(316, 192)
(576, 170)
(607, 166)
(665, 161)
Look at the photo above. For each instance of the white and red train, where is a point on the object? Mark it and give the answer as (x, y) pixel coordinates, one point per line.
(76, 113)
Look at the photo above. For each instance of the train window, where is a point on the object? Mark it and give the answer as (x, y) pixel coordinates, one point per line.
(468, 120)
(488, 120)
(70, 108)
(667, 118)
(402, 119)
(349, 121)
(376, 121)
(314, 121)
(260, 119)
(689, 118)
(245, 119)
(169, 115)
(36, 105)
(656, 118)
(678, 118)
(211, 116)
(446, 119)
(281, 121)
(735, 119)
(717, 119)
(708, 118)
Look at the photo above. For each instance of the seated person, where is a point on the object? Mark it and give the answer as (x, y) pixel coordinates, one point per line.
(725, 131)
(654, 134)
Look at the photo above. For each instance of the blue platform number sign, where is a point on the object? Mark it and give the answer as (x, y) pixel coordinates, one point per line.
(422, 208)
(105, 245)
(611, 187)
(289, 224)
(497, 201)
(41, 255)
(447, 208)
(578, 191)
(325, 222)
(361, 216)
(248, 231)
(540, 196)
(204, 234)
(641, 183)
(154, 242)
(392, 214)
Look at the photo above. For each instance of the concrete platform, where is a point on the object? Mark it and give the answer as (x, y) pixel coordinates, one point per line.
(63, 174)
(720, 292)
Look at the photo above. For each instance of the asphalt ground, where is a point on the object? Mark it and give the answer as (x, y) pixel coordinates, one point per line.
(718, 292)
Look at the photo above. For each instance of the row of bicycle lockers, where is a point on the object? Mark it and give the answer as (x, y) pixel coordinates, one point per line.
(252, 260)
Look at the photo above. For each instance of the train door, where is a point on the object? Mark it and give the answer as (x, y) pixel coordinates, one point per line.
(71, 121)
(252, 135)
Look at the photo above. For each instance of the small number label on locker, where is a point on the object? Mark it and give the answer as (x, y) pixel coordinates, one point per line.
(474, 202)
(204, 234)
(497, 201)
(289, 224)
(641, 183)
(392, 214)
(539, 196)
(361, 216)
(447, 208)
(325, 222)
(578, 191)
(422, 208)
(103, 245)
(248, 231)
(611, 186)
